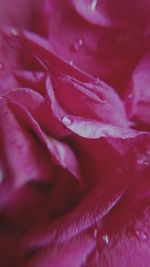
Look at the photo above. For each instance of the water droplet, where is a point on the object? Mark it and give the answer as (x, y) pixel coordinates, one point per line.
(78, 44)
(93, 5)
(106, 239)
(130, 96)
(141, 235)
(71, 63)
(95, 232)
(143, 162)
(67, 121)
(146, 163)
(14, 32)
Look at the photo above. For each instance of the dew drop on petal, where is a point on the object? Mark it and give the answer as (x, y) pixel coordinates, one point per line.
(14, 32)
(130, 96)
(67, 121)
(106, 239)
(78, 44)
(93, 5)
(146, 163)
(71, 63)
(143, 162)
(141, 235)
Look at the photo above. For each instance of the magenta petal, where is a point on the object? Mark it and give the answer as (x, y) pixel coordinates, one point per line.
(73, 253)
(94, 12)
(93, 129)
(40, 48)
(60, 152)
(90, 101)
(78, 36)
(116, 216)
(63, 154)
(119, 16)
(17, 14)
(86, 127)
(31, 79)
(23, 156)
(138, 99)
(74, 133)
(39, 107)
(99, 203)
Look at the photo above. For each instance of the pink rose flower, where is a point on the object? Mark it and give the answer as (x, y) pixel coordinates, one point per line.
(75, 141)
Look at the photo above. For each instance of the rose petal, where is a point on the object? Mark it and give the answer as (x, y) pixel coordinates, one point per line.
(90, 101)
(60, 152)
(138, 99)
(84, 127)
(109, 54)
(25, 159)
(17, 14)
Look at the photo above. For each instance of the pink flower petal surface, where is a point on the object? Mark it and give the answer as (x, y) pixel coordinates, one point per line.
(74, 133)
